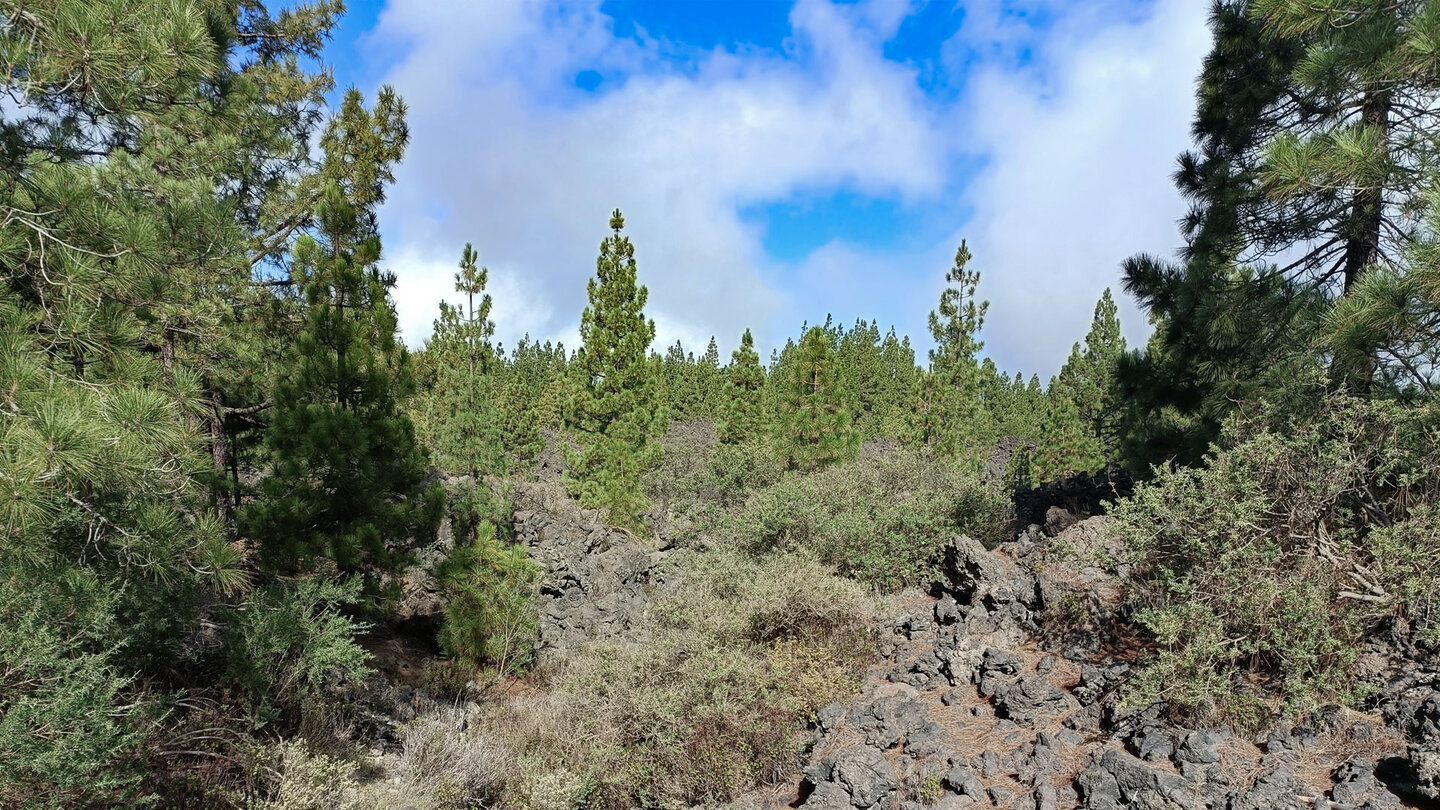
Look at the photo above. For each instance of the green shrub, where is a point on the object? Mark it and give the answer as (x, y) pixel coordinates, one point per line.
(543, 788)
(449, 679)
(733, 471)
(880, 520)
(680, 719)
(456, 766)
(287, 639)
(490, 614)
(734, 599)
(930, 790)
(1297, 537)
(701, 479)
(68, 733)
(472, 506)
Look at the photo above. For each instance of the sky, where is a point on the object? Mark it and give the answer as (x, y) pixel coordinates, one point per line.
(779, 162)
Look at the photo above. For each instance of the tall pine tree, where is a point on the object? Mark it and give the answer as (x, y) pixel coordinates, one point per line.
(130, 154)
(955, 327)
(899, 376)
(615, 414)
(1088, 377)
(347, 477)
(464, 401)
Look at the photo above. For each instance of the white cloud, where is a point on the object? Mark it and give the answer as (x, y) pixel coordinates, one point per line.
(529, 169)
(1078, 175)
(1078, 143)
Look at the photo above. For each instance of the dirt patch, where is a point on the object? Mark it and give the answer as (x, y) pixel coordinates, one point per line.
(400, 658)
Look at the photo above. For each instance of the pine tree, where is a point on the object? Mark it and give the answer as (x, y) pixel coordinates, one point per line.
(1032, 407)
(468, 429)
(684, 397)
(712, 381)
(1310, 138)
(1230, 325)
(1064, 445)
(554, 398)
(489, 588)
(777, 375)
(1312, 131)
(862, 374)
(1088, 377)
(744, 412)
(347, 478)
(927, 416)
(1355, 159)
(615, 413)
(521, 418)
(129, 197)
(899, 377)
(815, 426)
(1220, 339)
(955, 327)
(1395, 317)
(1363, 161)
(536, 390)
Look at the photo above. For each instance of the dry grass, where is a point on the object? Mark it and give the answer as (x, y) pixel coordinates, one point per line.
(305, 780)
(1352, 734)
(443, 757)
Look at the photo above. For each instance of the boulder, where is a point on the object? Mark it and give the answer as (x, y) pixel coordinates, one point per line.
(866, 775)
(828, 796)
(887, 721)
(980, 576)
(1425, 760)
(1119, 780)
(963, 782)
(1032, 698)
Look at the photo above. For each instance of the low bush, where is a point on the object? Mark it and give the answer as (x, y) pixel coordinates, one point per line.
(882, 521)
(305, 780)
(543, 788)
(450, 679)
(1260, 574)
(716, 700)
(701, 479)
(678, 719)
(283, 644)
(443, 765)
(731, 472)
(69, 724)
(455, 766)
(734, 599)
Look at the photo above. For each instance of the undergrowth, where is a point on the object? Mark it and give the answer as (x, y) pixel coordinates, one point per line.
(882, 522)
(1261, 574)
(717, 699)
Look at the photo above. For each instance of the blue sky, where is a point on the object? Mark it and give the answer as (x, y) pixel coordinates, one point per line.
(781, 161)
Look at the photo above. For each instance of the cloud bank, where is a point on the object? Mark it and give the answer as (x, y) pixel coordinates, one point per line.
(1074, 123)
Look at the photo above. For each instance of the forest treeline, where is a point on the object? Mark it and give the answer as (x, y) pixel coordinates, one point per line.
(814, 402)
(216, 453)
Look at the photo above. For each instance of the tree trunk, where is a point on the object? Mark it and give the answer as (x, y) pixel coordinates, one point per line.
(167, 354)
(1362, 248)
(218, 454)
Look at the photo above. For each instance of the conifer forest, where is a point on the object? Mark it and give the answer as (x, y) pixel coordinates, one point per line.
(258, 551)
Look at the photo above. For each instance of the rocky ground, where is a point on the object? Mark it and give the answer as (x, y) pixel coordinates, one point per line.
(598, 580)
(1000, 687)
(975, 702)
